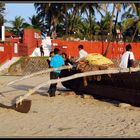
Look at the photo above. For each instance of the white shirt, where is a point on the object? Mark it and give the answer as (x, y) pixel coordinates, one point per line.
(82, 54)
(124, 59)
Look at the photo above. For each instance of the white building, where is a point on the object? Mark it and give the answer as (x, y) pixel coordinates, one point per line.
(46, 44)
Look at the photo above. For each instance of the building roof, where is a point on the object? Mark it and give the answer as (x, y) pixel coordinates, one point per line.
(7, 33)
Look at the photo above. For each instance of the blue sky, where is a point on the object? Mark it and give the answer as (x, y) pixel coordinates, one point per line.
(25, 10)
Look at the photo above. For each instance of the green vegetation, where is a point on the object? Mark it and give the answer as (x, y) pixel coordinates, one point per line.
(79, 20)
(2, 8)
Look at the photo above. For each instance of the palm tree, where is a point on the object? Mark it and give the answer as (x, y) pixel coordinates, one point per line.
(37, 23)
(2, 8)
(68, 24)
(89, 27)
(110, 30)
(45, 13)
(50, 13)
(70, 14)
(67, 16)
(17, 25)
(71, 27)
(88, 10)
(104, 28)
(118, 8)
(78, 27)
(131, 18)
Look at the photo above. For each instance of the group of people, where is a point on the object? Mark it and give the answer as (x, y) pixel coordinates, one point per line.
(127, 59)
(57, 60)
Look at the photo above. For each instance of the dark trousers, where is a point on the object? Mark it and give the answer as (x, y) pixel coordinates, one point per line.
(42, 53)
(53, 87)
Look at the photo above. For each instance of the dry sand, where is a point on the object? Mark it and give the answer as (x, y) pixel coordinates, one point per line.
(65, 116)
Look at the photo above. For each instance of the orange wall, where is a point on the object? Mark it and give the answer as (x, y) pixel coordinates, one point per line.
(115, 51)
(70, 47)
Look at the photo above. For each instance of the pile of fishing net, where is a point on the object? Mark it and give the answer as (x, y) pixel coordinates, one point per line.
(95, 61)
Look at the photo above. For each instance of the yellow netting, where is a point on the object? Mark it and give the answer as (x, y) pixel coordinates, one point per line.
(98, 59)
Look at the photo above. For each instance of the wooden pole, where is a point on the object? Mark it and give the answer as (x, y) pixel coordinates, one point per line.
(38, 73)
(77, 75)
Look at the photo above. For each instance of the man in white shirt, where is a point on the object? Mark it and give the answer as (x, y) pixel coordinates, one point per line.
(127, 59)
(82, 53)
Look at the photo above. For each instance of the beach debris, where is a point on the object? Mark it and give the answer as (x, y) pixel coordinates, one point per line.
(68, 93)
(86, 96)
(124, 105)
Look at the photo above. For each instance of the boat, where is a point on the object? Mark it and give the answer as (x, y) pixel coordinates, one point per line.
(122, 86)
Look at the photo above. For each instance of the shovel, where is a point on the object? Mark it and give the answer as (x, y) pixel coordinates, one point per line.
(22, 107)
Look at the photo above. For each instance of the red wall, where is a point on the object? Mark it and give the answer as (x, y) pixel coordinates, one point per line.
(7, 54)
(70, 47)
(12, 40)
(30, 41)
(115, 51)
(24, 49)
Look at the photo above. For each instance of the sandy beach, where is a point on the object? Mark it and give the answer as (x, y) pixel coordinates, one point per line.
(64, 115)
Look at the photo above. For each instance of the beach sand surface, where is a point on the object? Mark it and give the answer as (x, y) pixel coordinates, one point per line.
(64, 115)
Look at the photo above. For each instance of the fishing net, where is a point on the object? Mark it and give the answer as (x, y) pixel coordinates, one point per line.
(95, 61)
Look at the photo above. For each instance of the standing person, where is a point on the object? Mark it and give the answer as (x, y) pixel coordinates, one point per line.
(41, 50)
(127, 59)
(82, 53)
(56, 61)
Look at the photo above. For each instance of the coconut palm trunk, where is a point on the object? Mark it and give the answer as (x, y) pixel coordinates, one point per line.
(110, 32)
(102, 39)
(75, 13)
(134, 34)
(136, 22)
(115, 33)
